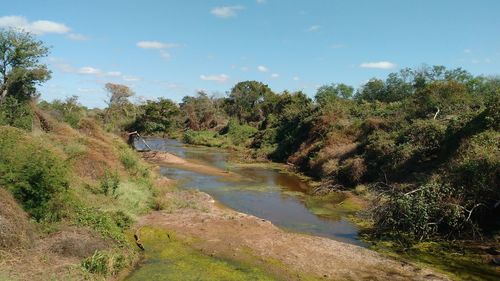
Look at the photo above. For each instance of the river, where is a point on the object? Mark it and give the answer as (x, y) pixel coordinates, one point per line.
(263, 191)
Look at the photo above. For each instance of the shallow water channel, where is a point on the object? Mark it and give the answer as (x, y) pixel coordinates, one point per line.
(262, 191)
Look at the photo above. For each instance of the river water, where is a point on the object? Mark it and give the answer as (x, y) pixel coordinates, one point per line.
(262, 191)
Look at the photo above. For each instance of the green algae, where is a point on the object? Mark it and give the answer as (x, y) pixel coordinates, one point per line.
(459, 262)
(168, 258)
(335, 205)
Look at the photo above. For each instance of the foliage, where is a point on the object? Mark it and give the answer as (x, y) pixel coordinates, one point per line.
(207, 138)
(104, 263)
(238, 134)
(31, 171)
(102, 222)
(157, 117)
(329, 93)
(69, 110)
(20, 67)
(202, 112)
(110, 183)
(16, 113)
(422, 213)
(120, 113)
(246, 101)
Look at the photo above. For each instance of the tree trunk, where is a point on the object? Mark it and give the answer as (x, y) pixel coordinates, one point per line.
(3, 95)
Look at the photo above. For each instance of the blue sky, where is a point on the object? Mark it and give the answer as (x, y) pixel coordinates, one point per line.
(174, 48)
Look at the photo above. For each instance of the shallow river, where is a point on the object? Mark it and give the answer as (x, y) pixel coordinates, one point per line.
(263, 191)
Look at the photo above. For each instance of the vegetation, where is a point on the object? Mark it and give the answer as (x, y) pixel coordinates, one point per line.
(425, 140)
(424, 143)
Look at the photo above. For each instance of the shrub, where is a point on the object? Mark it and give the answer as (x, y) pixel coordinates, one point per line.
(239, 134)
(102, 222)
(426, 136)
(352, 171)
(207, 138)
(97, 263)
(16, 113)
(426, 212)
(110, 182)
(104, 263)
(31, 171)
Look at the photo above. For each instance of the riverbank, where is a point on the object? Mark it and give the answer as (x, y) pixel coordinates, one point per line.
(460, 262)
(220, 232)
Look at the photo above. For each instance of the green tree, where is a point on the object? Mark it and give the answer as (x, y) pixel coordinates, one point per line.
(246, 99)
(329, 93)
(20, 67)
(120, 112)
(158, 116)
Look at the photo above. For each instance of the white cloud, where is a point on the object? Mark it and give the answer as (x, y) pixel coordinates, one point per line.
(262, 68)
(467, 51)
(378, 65)
(88, 70)
(155, 45)
(314, 28)
(261, 1)
(275, 75)
(226, 11)
(296, 78)
(38, 27)
(221, 78)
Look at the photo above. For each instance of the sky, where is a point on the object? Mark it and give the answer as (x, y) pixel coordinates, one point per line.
(175, 48)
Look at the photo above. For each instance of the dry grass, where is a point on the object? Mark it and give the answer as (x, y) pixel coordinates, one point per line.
(15, 228)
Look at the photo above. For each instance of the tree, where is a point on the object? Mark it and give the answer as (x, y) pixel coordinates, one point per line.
(371, 91)
(20, 67)
(328, 93)
(120, 112)
(202, 112)
(246, 99)
(157, 116)
(118, 94)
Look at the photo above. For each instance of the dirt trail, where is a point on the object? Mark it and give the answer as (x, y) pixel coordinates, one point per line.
(222, 232)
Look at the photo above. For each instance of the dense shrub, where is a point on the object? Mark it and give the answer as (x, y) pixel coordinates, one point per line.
(16, 113)
(31, 171)
(207, 138)
(422, 213)
(238, 134)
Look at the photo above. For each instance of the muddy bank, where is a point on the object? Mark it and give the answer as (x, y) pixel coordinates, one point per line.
(220, 232)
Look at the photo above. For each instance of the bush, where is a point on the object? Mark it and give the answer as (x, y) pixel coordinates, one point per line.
(97, 263)
(104, 263)
(426, 136)
(110, 182)
(207, 138)
(16, 114)
(239, 134)
(31, 171)
(428, 211)
(102, 222)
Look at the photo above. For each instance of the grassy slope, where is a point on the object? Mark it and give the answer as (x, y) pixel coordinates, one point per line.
(92, 223)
